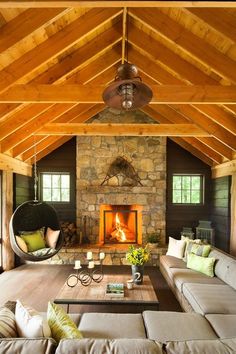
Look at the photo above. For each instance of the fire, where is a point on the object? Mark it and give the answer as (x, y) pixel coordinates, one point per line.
(119, 232)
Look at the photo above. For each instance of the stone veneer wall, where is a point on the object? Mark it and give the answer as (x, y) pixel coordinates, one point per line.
(94, 156)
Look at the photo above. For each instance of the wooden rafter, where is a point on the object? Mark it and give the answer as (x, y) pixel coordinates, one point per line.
(92, 94)
(194, 45)
(113, 3)
(122, 129)
(55, 45)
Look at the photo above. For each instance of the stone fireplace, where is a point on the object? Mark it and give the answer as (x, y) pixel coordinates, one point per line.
(100, 186)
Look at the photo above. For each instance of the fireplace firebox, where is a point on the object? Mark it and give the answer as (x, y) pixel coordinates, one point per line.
(120, 224)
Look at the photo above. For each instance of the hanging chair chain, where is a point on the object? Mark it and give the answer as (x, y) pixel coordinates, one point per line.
(35, 173)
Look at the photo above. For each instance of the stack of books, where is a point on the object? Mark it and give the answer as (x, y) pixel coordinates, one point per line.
(115, 289)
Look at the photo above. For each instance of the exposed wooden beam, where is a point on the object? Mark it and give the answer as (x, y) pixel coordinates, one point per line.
(159, 22)
(24, 24)
(124, 30)
(56, 44)
(122, 129)
(225, 169)
(158, 52)
(113, 3)
(93, 94)
(222, 21)
(207, 124)
(8, 163)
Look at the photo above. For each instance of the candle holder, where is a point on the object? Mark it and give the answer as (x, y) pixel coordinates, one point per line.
(85, 277)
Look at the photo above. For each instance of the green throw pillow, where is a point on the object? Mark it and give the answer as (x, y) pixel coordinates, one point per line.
(204, 265)
(61, 324)
(201, 250)
(33, 240)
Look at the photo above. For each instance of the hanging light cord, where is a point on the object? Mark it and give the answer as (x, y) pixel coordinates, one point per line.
(35, 173)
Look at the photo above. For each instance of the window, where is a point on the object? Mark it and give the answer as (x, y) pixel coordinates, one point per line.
(187, 189)
(55, 187)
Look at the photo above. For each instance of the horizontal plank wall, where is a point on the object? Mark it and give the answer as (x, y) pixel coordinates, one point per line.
(63, 159)
(23, 187)
(220, 214)
(177, 216)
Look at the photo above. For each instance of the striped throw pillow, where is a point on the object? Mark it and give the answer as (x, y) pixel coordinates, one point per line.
(7, 323)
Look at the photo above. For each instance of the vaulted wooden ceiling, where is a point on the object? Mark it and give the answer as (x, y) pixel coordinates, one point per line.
(56, 61)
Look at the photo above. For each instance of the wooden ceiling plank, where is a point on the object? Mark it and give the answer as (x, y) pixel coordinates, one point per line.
(10, 164)
(206, 123)
(164, 115)
(220, 116)
(34, 125)
(113, 3)
(52, 147)
(151, 47)
(56, 44)
(27, 142)
(195, 46)
(92, 94)
(25, 24)
(222, 21)
(122, 129)
(82, 117)
(72, 62)
(176, 117)
(193, 151)
(15, 122)
(124, 36)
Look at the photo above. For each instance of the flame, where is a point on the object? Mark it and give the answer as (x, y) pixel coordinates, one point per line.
(120, 233)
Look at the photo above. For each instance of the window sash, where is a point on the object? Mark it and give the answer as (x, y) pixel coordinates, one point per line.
(185, 191)
(53, 187)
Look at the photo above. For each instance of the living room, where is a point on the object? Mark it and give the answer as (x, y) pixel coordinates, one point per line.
(108, 180)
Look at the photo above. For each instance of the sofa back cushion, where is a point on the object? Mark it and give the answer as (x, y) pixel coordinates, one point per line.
(225, 267)
(111, 346)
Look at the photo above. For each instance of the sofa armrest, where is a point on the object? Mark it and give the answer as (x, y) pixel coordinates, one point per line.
(27, 345)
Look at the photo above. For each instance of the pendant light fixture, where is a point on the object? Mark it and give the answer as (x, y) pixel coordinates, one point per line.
(127, 92)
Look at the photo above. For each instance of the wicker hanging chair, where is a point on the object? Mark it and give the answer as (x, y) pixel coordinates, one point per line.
(29, 216)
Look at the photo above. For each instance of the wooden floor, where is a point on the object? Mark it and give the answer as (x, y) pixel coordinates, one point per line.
(36, 284)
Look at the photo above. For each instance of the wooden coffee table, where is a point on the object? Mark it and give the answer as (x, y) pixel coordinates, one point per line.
(142, 296)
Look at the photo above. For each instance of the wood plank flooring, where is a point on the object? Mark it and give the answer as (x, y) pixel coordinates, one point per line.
(36, 284)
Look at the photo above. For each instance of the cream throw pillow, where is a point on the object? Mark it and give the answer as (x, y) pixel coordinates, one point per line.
(176, 248)
(30, 323)
(51, 237)
(21, 244)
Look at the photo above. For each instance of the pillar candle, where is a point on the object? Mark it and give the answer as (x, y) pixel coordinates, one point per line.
(91, 264)
(77, 264)
(89, 255)
(101, 255)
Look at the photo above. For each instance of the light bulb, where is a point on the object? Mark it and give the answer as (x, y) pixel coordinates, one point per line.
(127, 95)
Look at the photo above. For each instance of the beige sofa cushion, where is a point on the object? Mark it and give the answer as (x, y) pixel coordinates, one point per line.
(182, 276)
(223, 325)
(27, 345)
(216, 346)
(115, 346)
(112, 325)
(172, 262)
(210, 298)
(225, 267)
(166, 326)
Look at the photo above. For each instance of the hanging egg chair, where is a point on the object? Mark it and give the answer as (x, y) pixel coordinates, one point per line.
(34, 228)
(35, 224)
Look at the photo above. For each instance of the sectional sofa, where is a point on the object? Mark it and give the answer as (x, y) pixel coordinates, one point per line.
(208, 326)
